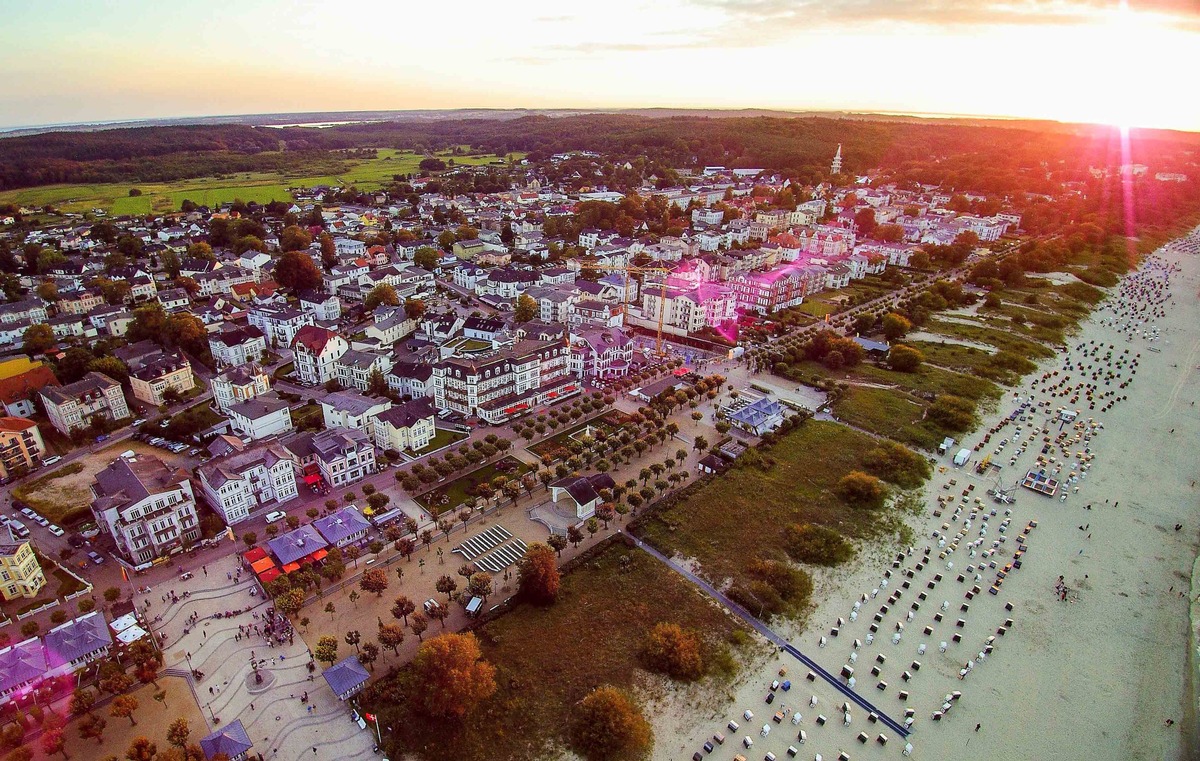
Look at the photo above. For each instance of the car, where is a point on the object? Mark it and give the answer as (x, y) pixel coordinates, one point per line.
(194, 452)
(39, 520)
(96, 557)
(275, 516)
(27, 513)
(18, 529)
(139, 421)
(3, 520)
(51, 460)
(101, 438)
(431, 605)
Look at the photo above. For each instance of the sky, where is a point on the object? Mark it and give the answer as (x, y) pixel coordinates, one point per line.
(1100, 61)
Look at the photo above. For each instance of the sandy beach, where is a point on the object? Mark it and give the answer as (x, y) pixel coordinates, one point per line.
(1096, 666)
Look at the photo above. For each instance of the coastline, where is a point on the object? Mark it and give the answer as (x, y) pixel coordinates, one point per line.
(1097, 678)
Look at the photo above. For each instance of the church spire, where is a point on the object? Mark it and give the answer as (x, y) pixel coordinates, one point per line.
(836, 166)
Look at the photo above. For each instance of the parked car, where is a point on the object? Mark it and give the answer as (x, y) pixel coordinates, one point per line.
(431, 604)
(139, 421)
(96, 557)
(51, 460)
(39, 520)
(102, 437)
(276, 516)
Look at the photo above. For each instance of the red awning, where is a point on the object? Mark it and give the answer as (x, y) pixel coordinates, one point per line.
(312, 478)
(269, 575)
(680, 371)
(258, 553)
(568, 388)
(262, 564)
(291, 567)
(318, 555)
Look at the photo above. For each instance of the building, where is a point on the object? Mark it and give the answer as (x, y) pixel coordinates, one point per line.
(238, 485)
(264, 415)
(20, 379)
(70, 647)
(279, 324)
(584, 491)
(835, 167)
(600, 353)
(410, 426)
(301, 544)
(147, 509)
(315, 353)
(707, 305)
(321, 305)
(350, 409)
(20, 573)
(21, 446)
(346, 678)
(337, 456)
(239, 384)
(237, 346)
(74, 406)
(769, 292)
(505, 383)
(152, 378)
(22, 669)
(232, 743)
(354, 368)
(344, 527)
(757, 416)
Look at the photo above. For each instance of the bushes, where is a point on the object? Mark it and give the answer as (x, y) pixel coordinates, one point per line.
(905, 359)
(860, 489)
(607, 724)
(674, 651)
(898, 464)
(819, 545)
(953, 413)
(774, 587)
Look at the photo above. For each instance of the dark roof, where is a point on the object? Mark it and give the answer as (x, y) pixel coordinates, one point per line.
(585, 489)
(232, 741)
(341, 525)
(296, 544)
(76, 639)
(405, 415)
(93, 382)
(345, 676)
(21, 663)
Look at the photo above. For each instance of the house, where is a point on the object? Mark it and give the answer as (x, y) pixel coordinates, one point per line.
(174, 298)
(408, 426)
(22, 669)
(70, 647)
(346, 678)
(74, 406)
(769, 292)
(231, 743)
(20, 573)
(153, 378)
(711, 464)
(79, 302)
(350, 409)
(239, 384)
(237, 345)
(223, 444)
(21, 446)
(757, 416)
(147, 509)
(354, 368)
(584, 491)
(240, 484)
(320, 305)
(264, 415)
(20, 379)
(390, 324)
(506, 382)
(30, 309)
(339, 456)
(468, 249)
(411, 379)
(316, 352)
(349, 248)
(279, 324)
(223, 280)
(343, 528)
(303, 543)
(600, 353)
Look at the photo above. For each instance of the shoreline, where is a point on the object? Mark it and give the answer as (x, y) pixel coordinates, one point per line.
(1071, 679)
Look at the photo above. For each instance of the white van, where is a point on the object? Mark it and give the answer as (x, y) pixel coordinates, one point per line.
(52, 460)
(276, 516)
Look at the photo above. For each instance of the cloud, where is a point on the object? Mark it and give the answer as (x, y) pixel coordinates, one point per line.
(778, 16)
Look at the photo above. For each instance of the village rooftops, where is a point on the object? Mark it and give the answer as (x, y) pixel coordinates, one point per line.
(218, 472)
(92, 383)
(127, 481)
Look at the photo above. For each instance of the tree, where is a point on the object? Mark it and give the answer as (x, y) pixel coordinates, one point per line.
(391, 636)
(250, 538)
(446, 586)
(861, 490)
(432, 165)
(895, 326)
(480, 584)
(426, 257)
(414, 309)
(538, 574)
(558, 543)
(37, 338)
(819, 545)
(22, 753)
(574, 535)
(147, 672)
(141, 749)
(48, 259)
(54, 741)
(370, 653)
(374, 580)
(526, 310)
(402, 608)
(382, 294)
(674, 651)
(115, 261)
(452, 676)
(700, 444)
(92, 728)
(290, 602)
(170, 262)
(607, 724)
(294, 238)
(202, 251)
(296, 271)
(326, 649)
(82, 701)
(418, 624)
(112, 594)
(952, 412)
(330, 609)
(47, 291)
(123, 707)
(328, 250)
(110, 366)
(905, 359)
(178, 733)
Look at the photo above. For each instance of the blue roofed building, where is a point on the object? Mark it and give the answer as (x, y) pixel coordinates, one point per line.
(297, 545)
(231, 741)
(346, 678)
(344, 527)
(73, 645)
(756, 416)
(22, 668)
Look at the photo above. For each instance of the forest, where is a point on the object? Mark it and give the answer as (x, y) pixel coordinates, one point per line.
(994, 157)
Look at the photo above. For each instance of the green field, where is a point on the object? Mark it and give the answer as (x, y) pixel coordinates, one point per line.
(261, 187)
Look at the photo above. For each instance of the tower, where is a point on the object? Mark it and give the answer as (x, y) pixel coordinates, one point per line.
(836, 166)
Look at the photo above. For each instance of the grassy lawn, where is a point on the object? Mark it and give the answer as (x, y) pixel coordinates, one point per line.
(728, 523)
(1005, 367)
(42, 496)
(452, 495)
(440, 439)
(889, 412)
(816, 308)
(310, 417)
(547, 659)
(59, 584)
(1002, 336)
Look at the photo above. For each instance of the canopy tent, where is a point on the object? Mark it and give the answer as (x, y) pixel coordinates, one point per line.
(318, 555)
(254, 555)
(262, 564)
(269, 575)
(291, 567)
(132, 634)
(124, 622)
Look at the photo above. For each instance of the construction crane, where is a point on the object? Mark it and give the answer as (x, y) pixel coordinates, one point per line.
(662, 296)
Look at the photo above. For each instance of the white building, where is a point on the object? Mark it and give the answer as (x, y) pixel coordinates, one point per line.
(146, 508)
(279, 324)
(408, 426)
(350, 409)
(247, 482)
(75, 405)
(264, 415)
(237, 346)
(239, 384)
(505, 383)
(315, 352)
(339, 456)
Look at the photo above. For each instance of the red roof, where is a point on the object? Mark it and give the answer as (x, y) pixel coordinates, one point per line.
(24, 385)
(16, 424)
(313, 338)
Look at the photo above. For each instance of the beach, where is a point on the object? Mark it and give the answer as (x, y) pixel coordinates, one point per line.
(1094, 665)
